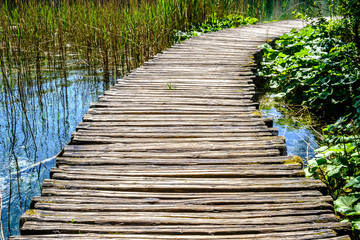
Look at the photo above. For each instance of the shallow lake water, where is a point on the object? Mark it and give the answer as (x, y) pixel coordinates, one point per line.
(29, 143)
(301, 139)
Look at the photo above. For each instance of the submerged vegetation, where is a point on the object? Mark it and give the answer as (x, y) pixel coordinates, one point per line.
(319, 67)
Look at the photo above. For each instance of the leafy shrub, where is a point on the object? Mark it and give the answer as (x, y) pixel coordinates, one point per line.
(315, 68)
(338, 165)
(318, 68)
(215, 24)
(350, 10)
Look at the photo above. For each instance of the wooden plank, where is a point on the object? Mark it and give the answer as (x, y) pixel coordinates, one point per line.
(102, 160)
(151, 207)
(174, 147)
(182, 155)
(203, 199)
(159, 218)
(53, 227)
(195, 174)
(183, 184)
(151, 197)
(308, 235)
(240, 117)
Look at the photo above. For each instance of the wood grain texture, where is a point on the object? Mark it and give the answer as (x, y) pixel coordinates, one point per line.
(178, 150)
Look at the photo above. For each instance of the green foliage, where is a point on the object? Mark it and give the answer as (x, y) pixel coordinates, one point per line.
(318, 67)
(314, 67)
(213, 25)
(350, 10)
(347, 10)
(338, 165)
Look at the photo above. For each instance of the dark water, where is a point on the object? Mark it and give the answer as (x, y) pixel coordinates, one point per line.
(30, 143)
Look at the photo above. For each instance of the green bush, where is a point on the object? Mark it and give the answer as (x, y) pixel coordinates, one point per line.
(316, 68)
(350, 10)
(337, 164)
(215, 24)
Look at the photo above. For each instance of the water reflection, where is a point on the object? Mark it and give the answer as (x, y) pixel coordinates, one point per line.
(34, 130)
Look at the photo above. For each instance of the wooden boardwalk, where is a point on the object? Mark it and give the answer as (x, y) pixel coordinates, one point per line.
(178, 150)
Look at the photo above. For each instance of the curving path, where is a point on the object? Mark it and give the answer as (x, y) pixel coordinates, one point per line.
(178, 150)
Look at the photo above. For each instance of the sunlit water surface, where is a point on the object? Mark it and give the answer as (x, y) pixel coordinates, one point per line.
(300, 138)
(29, 145)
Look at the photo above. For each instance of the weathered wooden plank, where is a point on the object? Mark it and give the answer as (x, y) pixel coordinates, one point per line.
(200, 199)
(294, 235)
(174, 147)
(159, 218)
(151, 207)
(131, 120)
(93, 139)
(239, 198)
(116, 106)
(170, 168)
(240, 117)
(175, 99)
(102, 160)
(174, 134)
(181, 155)
(53, 227)
(106, 102)
(257, 130)
(194, 174)
(183, 184)
(154, 197)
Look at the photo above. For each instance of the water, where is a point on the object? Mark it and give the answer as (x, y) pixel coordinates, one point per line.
(301, 139)
(29, 144)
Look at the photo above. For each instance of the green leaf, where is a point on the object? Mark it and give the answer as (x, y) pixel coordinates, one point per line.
(354, 183)
(303, 52)
(344, 203)
(332, 170)
(356, 224)
(329, 153)
(321, 161)
(322, 149)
